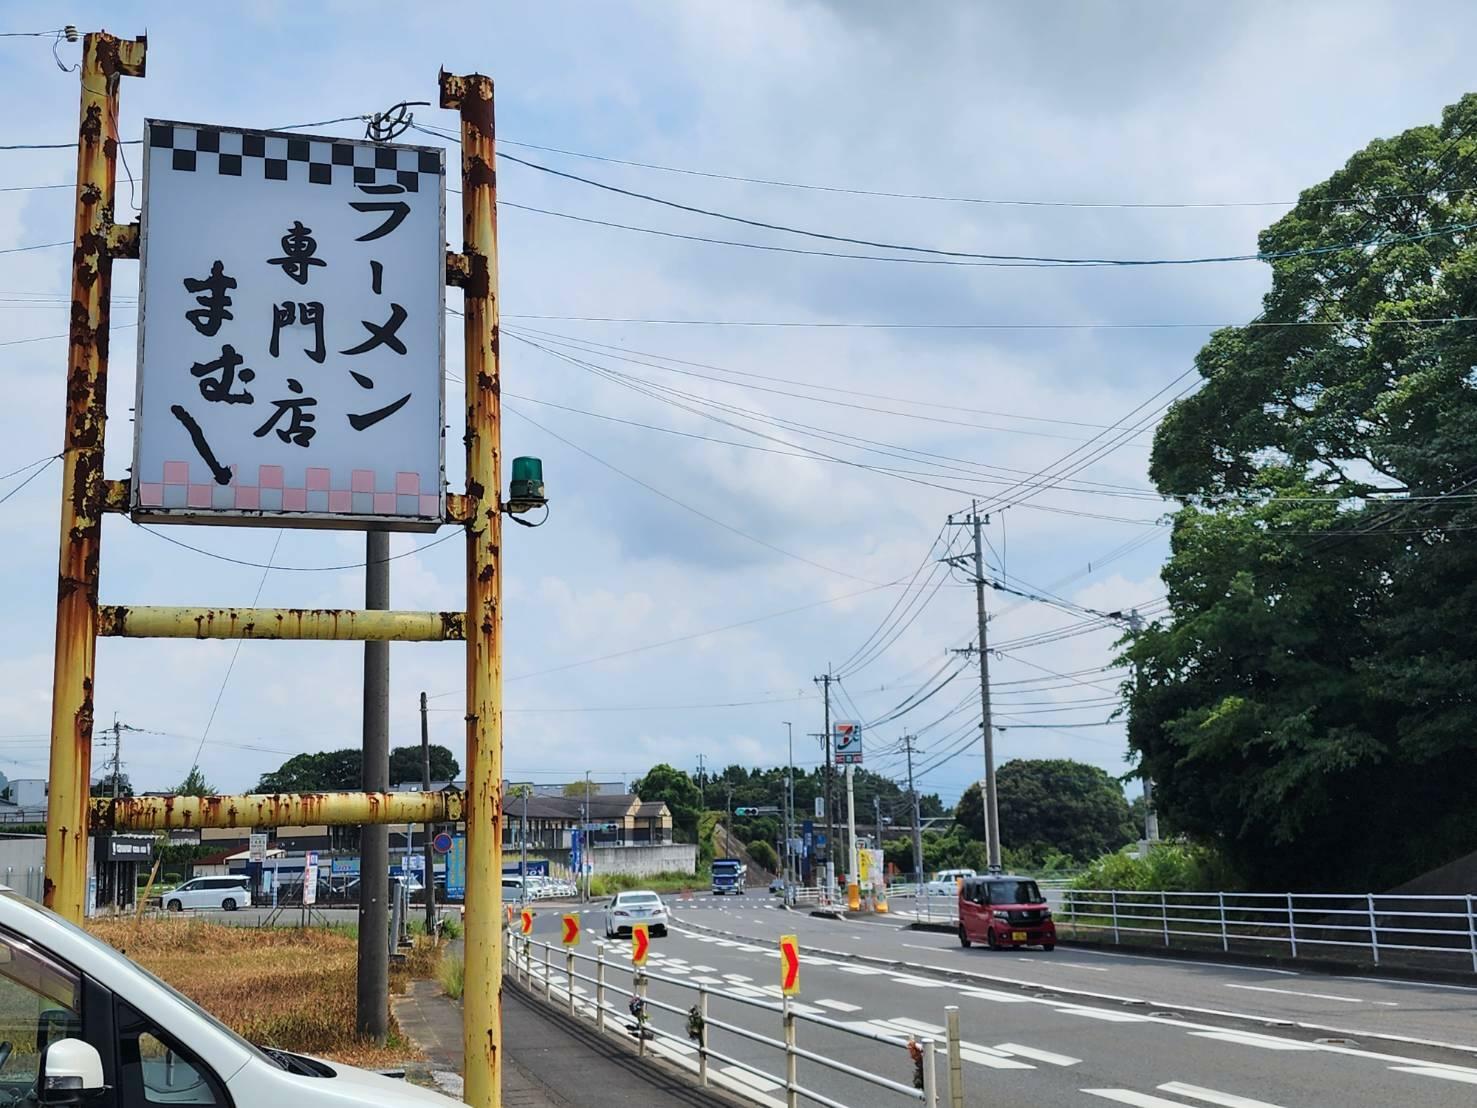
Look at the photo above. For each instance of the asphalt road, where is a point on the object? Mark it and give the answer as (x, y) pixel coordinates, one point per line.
(1031, 1034)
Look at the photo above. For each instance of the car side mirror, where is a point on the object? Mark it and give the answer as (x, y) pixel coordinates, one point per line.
(71, 1073)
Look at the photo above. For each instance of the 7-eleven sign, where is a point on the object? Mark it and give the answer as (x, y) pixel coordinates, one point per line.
(790, 965)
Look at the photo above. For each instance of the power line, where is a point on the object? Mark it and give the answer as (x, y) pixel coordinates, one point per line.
(295, 569)
(906, 325)
(30, 478)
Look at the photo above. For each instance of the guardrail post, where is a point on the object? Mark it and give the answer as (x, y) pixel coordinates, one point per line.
(600, 987)
(1113, 900)
(702, 1036)
(792, 1061)
(1374, 936)
(548, 974)
(641, 1023)
(1225, 938)
(1472, 932)
(1292, 926)
(527, 962)
(1164, 915)
(956, 1065)
(930, 1080)
(569, 977)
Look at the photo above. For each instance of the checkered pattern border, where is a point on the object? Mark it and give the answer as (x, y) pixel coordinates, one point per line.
(276, 157)
(322, 492)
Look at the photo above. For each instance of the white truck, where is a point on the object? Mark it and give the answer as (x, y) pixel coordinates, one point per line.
(81, 1025)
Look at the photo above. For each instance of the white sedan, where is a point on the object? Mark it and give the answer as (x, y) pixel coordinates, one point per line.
(628, 909)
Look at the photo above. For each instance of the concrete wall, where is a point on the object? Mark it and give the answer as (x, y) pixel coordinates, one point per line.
(641, 860)
(20, 865)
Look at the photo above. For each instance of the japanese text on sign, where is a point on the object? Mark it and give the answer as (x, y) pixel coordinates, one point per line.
(291, 330)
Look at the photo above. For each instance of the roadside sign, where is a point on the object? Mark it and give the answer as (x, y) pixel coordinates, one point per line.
(257, 847)
(790, 965)
(291, 354)
(310, 881)
(456, 868)
(508, 914)
(863, 866)
(640, 944)
(441, 844)
(571, 930)
(820, 807)
(526, 921)
(847, 743)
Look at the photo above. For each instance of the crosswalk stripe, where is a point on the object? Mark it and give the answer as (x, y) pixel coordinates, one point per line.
(1467, 1076)
(1104, 1014)
(994, 1061)
(1211, 1096)
(990, 994)
(1033, 1053)
(1138, 1100)
(839, 1005)
(1244, 1038)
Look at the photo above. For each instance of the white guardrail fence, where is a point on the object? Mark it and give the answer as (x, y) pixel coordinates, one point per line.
(584, 984)
(1437, 931)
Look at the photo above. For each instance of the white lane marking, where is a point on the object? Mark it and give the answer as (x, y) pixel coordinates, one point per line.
(706, 969)
(839, 1006)
(1418, 984)
(863, 971)
(921, 983)
(1467, 1076)
(753, 1080)
(667, 1046)
(705, 980)
(983, 1057)
(745, 991)
(1036, 1055)
(1149, 958)
(1294, 992)
(990, 994)
(1139, 1100)
(912, 1025)
(1246, 1038)
(736, 977)
(1211, 1096)
(915, 946)
(1104, 1014)
(1074, 965)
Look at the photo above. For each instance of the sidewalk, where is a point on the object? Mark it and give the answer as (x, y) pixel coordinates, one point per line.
(549, 1059)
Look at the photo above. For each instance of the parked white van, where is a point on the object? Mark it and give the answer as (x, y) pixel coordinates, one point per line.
(93, 1028)
(228, 893)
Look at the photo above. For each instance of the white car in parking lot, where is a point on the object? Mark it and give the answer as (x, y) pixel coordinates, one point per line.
(228, 893)
(628, 909)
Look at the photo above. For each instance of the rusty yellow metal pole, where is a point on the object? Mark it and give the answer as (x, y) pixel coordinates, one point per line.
(168, 813)
(105, 58)
(482, 999)
(162, 621)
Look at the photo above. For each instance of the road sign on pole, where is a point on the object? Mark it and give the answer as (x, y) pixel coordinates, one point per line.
(526, 921)
(790, 965)
(571, 930)
(847, 744)
(257, 847)
(310, 321)
(640, 944)
(441, 844)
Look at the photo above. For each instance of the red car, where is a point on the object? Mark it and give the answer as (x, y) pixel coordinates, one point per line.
(1002, 911)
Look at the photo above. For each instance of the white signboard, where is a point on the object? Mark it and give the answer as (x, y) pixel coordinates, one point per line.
(310, 883)
(257, 848)
(847, 744)
(291, 330)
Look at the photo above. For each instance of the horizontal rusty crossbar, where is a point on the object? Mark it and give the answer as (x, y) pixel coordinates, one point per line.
(152, 621)
(168, 813)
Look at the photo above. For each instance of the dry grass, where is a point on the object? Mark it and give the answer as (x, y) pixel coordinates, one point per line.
(290, 988)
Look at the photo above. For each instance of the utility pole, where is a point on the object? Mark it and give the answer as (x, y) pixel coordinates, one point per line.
(587, 856)
(992, 811)
(908, 748)
(373, 986)
(1151, 817)
(702, 799)
(825, 682)
(877, 812)
(429, 832)
(789, 854)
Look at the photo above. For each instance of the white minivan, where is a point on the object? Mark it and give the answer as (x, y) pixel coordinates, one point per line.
(89, 1027)
(228, 893)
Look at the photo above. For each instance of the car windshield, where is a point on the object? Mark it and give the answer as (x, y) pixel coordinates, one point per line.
(1014, 892)
(107, 951)
(639, 898)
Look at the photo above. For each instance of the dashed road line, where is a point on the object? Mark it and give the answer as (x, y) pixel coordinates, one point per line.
(1294, 992)
(1212, 1096)
(839, 1006)
(1246, 1038)
(1051, 1058)
(1468, 1077)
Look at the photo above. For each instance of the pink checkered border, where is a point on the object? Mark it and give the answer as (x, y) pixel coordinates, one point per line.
(355, 494)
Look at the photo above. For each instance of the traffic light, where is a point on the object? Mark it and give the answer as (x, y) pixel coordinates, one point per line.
(746, 811)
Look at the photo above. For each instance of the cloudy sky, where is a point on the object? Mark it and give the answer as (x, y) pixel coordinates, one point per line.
(736, 507)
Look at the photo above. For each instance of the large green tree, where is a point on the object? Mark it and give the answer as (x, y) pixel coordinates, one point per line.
(342, 770)
(1052, 806)
(664, 782)
(1307, 705)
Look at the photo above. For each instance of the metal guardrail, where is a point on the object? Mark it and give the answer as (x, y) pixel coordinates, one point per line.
(1298, 923)
(544, 974)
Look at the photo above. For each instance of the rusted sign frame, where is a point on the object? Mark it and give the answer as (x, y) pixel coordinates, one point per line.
(87, 495)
